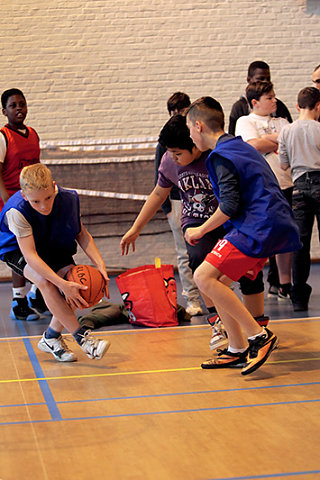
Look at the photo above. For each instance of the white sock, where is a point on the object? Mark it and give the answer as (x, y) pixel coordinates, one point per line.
(236, 350)
(19, 292)
(258, 335)
(33, 288)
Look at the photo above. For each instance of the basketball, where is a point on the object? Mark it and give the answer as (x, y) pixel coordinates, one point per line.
(91, 278)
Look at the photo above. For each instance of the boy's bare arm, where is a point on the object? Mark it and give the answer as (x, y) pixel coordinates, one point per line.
(150, 207)
(71, 290)
(3, 191)
(90, 248)
(264, 144)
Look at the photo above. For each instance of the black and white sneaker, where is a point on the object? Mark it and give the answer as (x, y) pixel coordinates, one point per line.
(94, 347)
(58, 348)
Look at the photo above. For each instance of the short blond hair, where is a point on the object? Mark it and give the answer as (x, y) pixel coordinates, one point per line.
(35, 177)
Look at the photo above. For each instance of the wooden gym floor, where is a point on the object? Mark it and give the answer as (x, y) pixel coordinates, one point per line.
(148, 411)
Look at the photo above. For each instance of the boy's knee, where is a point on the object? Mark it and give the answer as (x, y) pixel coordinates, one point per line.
(201, 277)
(44, 284)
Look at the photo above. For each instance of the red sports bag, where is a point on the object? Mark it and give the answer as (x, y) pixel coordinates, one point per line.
(150, 295)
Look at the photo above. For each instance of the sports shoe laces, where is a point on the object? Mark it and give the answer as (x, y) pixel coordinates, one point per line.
(256, 344)
(89, 340)
(63, 343)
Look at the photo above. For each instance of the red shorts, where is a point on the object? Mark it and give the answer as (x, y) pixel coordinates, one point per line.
(233, 263)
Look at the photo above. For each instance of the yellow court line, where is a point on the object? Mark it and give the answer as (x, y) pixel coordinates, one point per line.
(140, 372)
(155, 330)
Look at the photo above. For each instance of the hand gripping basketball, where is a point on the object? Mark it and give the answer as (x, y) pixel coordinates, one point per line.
(91, 278)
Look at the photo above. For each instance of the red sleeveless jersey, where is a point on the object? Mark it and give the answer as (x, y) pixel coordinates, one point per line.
(22, 150)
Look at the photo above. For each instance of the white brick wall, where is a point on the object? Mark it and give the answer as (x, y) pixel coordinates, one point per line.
(96, 69)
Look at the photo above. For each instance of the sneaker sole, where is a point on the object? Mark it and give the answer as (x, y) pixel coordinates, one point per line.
(215, 366)
(216, 345)
(25, 319)
(104, 351)
(284, 299)
(46, 349)
(273, 344)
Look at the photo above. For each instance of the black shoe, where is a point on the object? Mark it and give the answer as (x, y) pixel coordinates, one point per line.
(21, 311)
(284, 292)
(273, 291)
(226, 359)
(35, 300)
(300, 295)
(300, 307)
(259, 350)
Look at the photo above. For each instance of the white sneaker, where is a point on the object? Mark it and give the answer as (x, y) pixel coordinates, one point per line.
(219, 335)
(94, 347)
(194, 308)
(58, 348)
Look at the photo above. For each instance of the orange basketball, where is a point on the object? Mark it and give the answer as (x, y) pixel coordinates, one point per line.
(91, 278)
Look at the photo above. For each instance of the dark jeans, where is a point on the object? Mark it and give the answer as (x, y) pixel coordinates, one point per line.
(306, 206)
(273, 274)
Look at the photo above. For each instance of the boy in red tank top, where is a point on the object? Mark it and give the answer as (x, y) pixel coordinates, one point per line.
(19, 147)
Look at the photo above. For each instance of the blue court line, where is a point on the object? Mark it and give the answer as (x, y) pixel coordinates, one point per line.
(199, 392)
(271, 475)
(150, 330)
(167, 412)
(173, 394)
(43, 384)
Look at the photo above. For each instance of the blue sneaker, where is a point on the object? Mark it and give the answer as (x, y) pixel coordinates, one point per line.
(36, 301)
(21, 311)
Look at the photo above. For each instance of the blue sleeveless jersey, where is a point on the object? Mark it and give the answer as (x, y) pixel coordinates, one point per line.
(265, 224)
(54, 233)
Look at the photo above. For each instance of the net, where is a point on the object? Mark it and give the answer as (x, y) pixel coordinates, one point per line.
(113, 181)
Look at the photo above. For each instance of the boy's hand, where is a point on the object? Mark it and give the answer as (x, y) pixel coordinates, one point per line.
(192, 235)
(72, 293)
(128, 239)
(104, 273)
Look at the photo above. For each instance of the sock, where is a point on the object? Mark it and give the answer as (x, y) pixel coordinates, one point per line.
(78, 334)
(212, 314)
(258, 335)
(236, 350)
(50, 333)
(19, 292)
(33, 288)
(212, 310)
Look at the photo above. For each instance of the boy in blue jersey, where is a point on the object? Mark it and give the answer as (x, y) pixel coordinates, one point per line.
(39, 230)
(259, 223)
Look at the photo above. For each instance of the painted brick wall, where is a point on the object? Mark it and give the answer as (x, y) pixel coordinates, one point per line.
(95, 69)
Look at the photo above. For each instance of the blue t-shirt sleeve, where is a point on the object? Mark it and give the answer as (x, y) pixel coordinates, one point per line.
(229, 186)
